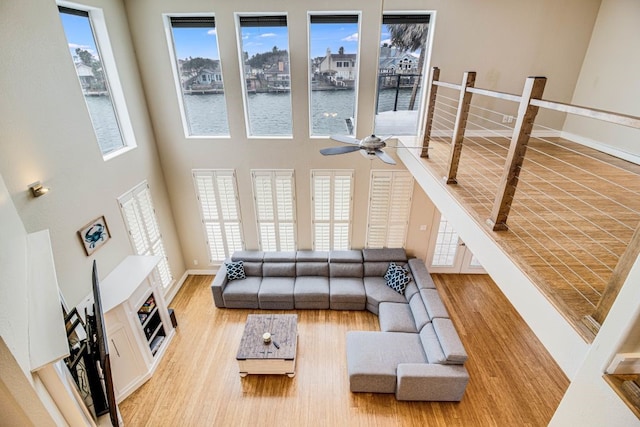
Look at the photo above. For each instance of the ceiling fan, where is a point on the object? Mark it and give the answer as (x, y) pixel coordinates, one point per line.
(371, 145)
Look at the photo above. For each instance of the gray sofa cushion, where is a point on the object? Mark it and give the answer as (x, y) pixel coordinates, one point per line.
(386, 254)
(420, 274)
(434, 305)
(312, 268)
(372, 358)
(252, 268)
(427, 382)
(346, 293)
(452, 347)
(396, 317)
(419, 312)
(313, 256)
(431, 344)
(345, 269)
(279, 269)
(254, 256)
(311, 292)
(242, 293)
(279, 256)
(410, 290)
(377, 291)
(276, 293)
(352, 256)
(377, 268)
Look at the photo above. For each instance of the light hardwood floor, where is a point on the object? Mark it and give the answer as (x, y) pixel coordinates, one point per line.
(514, 381)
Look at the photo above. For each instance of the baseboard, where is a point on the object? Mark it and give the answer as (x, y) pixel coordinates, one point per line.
(173, 291)
(597, 145)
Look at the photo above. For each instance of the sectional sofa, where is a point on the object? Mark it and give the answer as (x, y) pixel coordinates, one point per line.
(417, 354)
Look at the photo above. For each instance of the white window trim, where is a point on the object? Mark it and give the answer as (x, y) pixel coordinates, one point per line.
(214, 173)
(310, 73)
(395, 213)
(166, 17)
(154, 245)
(276, 221)
(332, 174)
(107, 58)
(245, 100)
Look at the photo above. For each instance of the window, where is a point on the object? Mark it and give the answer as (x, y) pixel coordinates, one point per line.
(218, 196)
(95, 67)
(401, 73)
(274, 198)
(389, 208)
(446, 245)
(141, 223)
(332, 198)
(264, 43)
(333, 40)
(199, 75)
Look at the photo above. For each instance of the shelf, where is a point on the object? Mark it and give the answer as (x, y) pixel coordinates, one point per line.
(617, 383)
(156, 343)
(155, 332)
(147, 317)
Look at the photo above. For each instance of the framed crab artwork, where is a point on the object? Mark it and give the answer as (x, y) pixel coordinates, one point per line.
(94, 235)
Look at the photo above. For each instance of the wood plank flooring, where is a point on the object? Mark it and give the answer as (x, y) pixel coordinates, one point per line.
(514, 381)
(573, 214)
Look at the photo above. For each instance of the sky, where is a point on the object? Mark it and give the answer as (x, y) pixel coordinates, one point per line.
(202, 42)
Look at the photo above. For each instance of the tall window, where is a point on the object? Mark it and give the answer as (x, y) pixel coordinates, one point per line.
(403, 53)
(389, 208)
(264, 43)
(102, 91)
(199, 75)
(218, 196)
(333, 58)
(446, 245)
(274, 198)
(332, 198)
(141, 222)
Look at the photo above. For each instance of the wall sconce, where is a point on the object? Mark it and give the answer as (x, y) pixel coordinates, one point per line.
(37, 189)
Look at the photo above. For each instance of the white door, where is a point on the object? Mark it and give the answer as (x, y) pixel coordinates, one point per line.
(448, 253)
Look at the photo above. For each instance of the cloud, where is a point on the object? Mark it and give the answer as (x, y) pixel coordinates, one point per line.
(212, 32)
(387, 41)
(75, 46)
(268, 35)
(352, 38)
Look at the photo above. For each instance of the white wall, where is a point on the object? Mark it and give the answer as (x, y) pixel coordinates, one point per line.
(47, 135)
(544, 37)
(609, 78)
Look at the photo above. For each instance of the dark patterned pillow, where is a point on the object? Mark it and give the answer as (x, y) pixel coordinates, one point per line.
(235, 270)
(397, 278)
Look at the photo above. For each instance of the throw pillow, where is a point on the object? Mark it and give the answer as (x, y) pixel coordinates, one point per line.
(235, 270)
(397, 278)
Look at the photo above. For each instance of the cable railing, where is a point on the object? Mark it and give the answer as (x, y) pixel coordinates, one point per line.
(566, 213)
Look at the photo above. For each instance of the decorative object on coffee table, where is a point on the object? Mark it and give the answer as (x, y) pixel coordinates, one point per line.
(269, 344)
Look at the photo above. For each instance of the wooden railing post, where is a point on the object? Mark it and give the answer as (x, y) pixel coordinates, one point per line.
(464, 101)
(431, 108)
(533, 89)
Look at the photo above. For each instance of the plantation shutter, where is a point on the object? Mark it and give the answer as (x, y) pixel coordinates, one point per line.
(275, 209)
(390, 199)
(332, 199)
(144, 232)
(220, 212)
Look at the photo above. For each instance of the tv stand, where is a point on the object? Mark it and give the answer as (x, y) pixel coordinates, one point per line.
(137, 322)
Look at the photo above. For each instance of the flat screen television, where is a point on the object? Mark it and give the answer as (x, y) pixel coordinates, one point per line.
(103, 348)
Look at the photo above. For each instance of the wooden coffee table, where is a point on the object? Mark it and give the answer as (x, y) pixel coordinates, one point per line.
(276, 357)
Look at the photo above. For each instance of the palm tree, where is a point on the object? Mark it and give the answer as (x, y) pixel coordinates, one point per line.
(411, 37)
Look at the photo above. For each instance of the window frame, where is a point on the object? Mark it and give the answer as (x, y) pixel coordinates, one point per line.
(176, 73)
(138, 195)
(394, 216)
(332, 174)
(245, 99)
(227, 249)
(116, 92)
(273, 175)
(311, 13)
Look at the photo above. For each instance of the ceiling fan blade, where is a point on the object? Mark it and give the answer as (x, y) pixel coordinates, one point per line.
(384, 138)
(385, 157)
(346, 139)
(339, 150)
